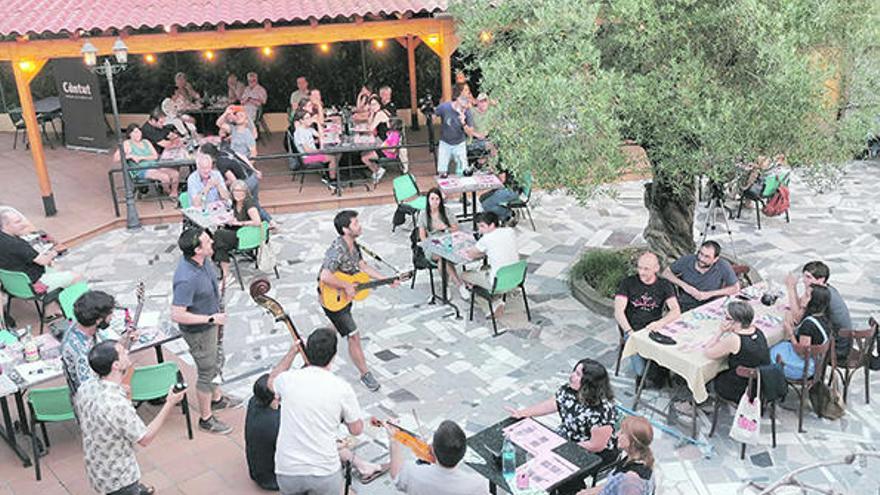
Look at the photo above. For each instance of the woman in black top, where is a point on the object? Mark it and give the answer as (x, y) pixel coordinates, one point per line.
(244, 213)
(635, 476)
(742, 344)
(814, 324)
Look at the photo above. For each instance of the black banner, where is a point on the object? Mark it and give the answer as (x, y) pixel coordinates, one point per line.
(81, 107)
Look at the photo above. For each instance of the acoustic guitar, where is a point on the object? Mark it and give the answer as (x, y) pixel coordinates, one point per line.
(334, 299)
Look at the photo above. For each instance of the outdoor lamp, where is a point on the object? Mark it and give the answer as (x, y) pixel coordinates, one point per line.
(120, 51)
(90, 54)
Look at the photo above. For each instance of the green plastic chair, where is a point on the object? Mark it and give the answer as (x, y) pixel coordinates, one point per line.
(249, 241)
(18, 285)
(522, 203)
(47, 405)
(772, 183)
(183, 199)
(152, 382)
(7, 338)
(506, 279)
(68, 297)
(406, 192)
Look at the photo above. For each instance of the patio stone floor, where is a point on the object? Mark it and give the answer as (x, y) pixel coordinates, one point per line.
(445, 368)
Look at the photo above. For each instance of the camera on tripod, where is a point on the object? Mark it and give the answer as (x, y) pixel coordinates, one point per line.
(426, 105)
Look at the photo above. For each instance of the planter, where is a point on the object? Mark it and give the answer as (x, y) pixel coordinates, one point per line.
(594, 301)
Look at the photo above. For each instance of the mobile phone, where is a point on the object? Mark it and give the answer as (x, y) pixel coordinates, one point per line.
(179, 387)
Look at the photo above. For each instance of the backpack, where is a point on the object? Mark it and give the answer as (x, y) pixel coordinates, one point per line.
(420, 261)
(778, 203)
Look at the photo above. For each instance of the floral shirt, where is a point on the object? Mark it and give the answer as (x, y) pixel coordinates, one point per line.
(339, 258)
(110, 428)
(75, 347)
(579, 419)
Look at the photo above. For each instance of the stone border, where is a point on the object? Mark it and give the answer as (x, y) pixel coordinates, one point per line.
(587, 296)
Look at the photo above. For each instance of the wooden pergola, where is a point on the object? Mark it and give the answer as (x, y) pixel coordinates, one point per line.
(28, 56)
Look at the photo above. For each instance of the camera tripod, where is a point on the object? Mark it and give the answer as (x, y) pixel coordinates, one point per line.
(716, 207)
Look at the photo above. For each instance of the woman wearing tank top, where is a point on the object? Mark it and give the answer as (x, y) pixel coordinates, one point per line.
(742, 344)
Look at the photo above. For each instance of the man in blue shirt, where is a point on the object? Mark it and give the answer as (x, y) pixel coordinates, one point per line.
(456, 124)
(702, 276)
(206, 185)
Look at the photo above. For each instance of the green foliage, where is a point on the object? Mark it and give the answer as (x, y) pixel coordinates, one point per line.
(604, 269)
(700, 84)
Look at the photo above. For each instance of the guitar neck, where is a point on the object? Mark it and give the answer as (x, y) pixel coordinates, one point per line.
(376, 283)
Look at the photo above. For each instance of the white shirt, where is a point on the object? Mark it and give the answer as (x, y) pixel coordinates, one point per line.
(314, 402)
(500, 249)
(304, 139)
(433, 479)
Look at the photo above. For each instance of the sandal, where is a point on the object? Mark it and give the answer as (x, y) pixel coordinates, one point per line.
(383, 468)
(146, 489)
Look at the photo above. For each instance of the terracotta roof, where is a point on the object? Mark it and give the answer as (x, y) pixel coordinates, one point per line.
(67, 16)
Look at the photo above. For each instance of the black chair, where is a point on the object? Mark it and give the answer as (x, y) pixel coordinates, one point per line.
(752, 375)
(761, 199)
(298, 167)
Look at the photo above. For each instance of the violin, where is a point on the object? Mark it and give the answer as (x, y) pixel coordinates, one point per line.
(258, 290)
(419, 447)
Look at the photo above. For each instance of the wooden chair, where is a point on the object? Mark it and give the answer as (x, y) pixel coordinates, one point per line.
(859, 357)
(803, 385)
(752, 375)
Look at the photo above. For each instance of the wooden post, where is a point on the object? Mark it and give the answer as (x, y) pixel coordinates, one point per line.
(25, 71)
(411, 44)
(446, 76)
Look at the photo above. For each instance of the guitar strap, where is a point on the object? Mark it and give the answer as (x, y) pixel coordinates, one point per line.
(376, 257)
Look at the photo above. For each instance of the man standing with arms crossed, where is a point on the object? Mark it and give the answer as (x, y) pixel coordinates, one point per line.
(344, 255)
(195, 307)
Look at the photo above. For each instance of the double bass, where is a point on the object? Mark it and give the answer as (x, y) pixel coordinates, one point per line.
(258, 290)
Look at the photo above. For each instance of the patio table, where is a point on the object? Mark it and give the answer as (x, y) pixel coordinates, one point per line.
(464, 185)
(211, 217)
(450, 248)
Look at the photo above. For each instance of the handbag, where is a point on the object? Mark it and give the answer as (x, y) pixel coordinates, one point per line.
(266, 259)
(746, 426)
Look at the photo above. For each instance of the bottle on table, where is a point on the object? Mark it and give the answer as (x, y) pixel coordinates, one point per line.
(508, 459)
(30, 349)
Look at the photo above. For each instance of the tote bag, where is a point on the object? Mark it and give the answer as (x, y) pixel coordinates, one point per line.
(746, 426)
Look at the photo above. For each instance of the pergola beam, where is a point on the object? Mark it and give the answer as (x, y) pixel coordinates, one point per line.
(25, 71)
(233, 38)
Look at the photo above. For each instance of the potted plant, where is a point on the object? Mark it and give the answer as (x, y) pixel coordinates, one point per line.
(594, 278)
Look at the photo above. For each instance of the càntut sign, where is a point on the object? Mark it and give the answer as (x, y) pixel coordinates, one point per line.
(81, 106)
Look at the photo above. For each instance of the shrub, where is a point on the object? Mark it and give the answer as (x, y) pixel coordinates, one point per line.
(604, 269)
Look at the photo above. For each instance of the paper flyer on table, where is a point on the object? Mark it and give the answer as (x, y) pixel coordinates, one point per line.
(533, 437)
(546, 470)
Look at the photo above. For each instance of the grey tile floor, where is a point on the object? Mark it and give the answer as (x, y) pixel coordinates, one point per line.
(442, 368)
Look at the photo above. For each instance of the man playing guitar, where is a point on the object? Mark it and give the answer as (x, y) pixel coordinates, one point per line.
(344, 255)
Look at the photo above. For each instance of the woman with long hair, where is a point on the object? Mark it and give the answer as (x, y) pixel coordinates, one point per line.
(433, 220)
(244, 213)
(140, 152)
(586, 409)
(378, 124)
(635, 476)
(814, 327)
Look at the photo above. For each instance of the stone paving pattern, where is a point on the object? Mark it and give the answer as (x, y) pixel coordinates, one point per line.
(442, 368)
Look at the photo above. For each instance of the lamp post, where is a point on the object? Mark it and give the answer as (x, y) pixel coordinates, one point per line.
(108, 69)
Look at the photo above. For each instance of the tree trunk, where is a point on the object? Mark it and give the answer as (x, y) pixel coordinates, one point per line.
(670, 229)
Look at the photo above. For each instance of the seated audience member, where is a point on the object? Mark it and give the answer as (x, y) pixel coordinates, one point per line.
(185, 97)
(253, 97)
(362, 103)
(586, 410)
(110, 425)
(702, 276)
(496, 201)
(156, 131)
(304, 139)
(93, 311)
(498, 245)
(244, 213)
(140, 152)
(817, 273)
(205, 185)
(313, 402)
(434, 220)
(234, 89)
(242, 131)
(232, 167)
(261, 424)
(446, 477)
(301, 93)
(636, 475)
(17, 255)
(742, 344)
(812, 327)
(639, 305)
(184, 135)
(385, 100)
(381, 127)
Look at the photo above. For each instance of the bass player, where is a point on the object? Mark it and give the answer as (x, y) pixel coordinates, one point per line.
(344, 255)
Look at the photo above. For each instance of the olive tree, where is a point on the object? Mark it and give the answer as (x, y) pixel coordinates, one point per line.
(700, 85)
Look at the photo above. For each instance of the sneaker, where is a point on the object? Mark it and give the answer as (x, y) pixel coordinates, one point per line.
(370, 381)
(214, 425)
(379, 174)
(464, 292)
(226, 402)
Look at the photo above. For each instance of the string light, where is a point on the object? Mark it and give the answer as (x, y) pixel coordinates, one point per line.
(486, 36)
(325, 47)
(27, 66)
(380, 44)
(267, 51)
(433, 39)
(150, 58)
(209, 55)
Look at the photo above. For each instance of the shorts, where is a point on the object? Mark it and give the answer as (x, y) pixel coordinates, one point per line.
(57, 279)
(342, 320)
(309, 159)
(137, 174)
(203, 349)
(479, 278)
(132, 489)
(330, 484)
